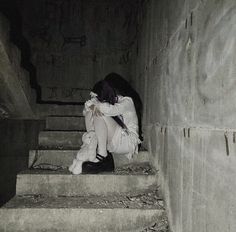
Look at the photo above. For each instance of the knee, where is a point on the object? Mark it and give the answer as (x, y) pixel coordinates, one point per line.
(98, 119)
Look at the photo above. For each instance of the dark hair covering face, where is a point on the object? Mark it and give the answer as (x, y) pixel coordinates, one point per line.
(105, 93)
(123, 88)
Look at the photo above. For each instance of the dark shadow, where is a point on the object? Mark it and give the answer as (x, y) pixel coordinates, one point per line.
(17, 137)
(10, 10)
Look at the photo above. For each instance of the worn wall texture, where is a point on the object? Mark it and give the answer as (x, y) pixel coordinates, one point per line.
(17, 99)
(185, 70)
(76, 43)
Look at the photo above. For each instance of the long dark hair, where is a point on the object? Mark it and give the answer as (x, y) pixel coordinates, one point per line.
(105, 93)
(123, 88)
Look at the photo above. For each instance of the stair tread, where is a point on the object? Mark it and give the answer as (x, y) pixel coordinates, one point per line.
(147, 200)
(143, 169)
(64, 158)
(61, 131)
(62, 182)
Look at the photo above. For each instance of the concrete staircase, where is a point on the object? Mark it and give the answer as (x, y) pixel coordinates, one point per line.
(125, 200)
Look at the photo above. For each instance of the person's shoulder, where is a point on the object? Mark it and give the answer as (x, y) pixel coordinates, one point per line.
(125, 99)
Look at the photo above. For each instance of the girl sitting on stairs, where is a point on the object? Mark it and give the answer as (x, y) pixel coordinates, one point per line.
(114, 113)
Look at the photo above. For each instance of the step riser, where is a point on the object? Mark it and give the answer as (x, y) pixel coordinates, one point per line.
(62, 158)
(65, 94)
(59, 139)
(65, 123)
(73, 220)
(83, 185)
(45, 110)
(65, 158)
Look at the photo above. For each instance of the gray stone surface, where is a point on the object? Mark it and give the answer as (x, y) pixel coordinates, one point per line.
(44, 110)
(63, 94)
(60, 139)
(146, 200)
(54, 183)
(65, 123)
(141, 157)
(185, 72)
(73, 220)
(60, 158)
(64, 158)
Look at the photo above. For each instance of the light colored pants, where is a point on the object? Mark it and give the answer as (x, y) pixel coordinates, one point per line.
(109, 134)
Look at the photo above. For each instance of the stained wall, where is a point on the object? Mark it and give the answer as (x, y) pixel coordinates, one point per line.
(76, 43)
(185, 72)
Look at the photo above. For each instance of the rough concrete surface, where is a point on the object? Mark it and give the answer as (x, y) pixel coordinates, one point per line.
(62, 182)
(72, 219)
(60, 139)
(133, 212)
(146, 200)
(182, 59)
(64, 158)
(79, 45)
(44, 110)
(63, 94)
(65, 123)
(185, 73)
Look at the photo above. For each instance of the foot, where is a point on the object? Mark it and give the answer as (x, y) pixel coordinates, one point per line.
(104, 164)
(97, 159)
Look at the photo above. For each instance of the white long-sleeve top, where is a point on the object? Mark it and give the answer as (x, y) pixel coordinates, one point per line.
(124, 107)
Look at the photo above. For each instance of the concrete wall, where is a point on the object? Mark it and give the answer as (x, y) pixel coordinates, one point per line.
(17, 137)
(76, 43)
(16, 96)
(185, 70)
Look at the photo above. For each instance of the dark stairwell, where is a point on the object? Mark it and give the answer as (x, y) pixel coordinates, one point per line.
(179, 55)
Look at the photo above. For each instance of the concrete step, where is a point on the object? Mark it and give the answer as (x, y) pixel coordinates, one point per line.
(62, 183)
(64, 158)
(60, 139)
(117, 213)
(45, 110)
(65, 123)
(65, 94)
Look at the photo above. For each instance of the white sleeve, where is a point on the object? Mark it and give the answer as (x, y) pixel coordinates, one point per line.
(88, 103)
(116, 109)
